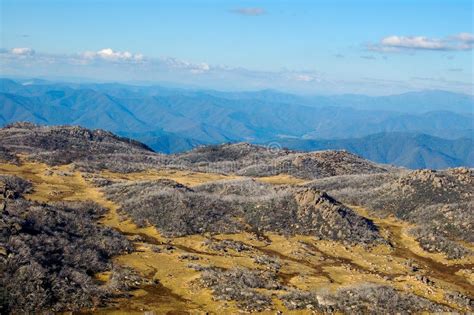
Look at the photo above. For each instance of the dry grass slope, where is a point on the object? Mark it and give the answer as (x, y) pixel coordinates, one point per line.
(304, 273)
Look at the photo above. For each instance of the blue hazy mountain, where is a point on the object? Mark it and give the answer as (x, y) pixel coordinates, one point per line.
(411, 150)
(171, 119)
(411, 102)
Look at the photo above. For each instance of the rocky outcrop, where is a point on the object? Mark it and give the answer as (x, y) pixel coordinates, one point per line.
(251, 160)
(438, 203)
(324, 216)
(32, 137)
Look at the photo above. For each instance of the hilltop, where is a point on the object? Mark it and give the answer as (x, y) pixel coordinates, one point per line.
(58, 145)
(252, 160)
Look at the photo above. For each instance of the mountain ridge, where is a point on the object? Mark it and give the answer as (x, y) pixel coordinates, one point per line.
(175, 120)
(412, 150)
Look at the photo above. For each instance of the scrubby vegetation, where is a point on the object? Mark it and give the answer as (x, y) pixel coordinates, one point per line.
(251, 160)
(438, 202)
(226, 245)
(13, 187)
(363, 299)
(49, 254)
(6, 156)
(354, 189)
(98, 149)
(56, 257)
(235, 206)
(88, 150)
(239, 285)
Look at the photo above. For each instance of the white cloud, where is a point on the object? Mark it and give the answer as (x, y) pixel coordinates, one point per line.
(304, 77)
(249, 11)
(106, 56)
(420, 42)
(195, 68)
(461, 41)
(109, 54)
(201, 67)
(310, 77)
(107, 64)
(465, 37)
(22, 51)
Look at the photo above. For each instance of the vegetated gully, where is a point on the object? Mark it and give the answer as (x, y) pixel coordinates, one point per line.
(430, 266)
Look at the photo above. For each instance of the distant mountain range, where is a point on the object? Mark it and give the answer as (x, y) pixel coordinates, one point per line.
(418, 129)
(411, 150)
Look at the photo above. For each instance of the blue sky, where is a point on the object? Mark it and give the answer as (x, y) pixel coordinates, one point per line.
(370, 47)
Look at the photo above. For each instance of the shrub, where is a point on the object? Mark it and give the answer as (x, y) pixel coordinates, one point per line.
(52, 255)
(238, 284)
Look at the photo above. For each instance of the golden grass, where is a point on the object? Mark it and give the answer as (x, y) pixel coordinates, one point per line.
(399, 231)
(468, 274)
(378, 259)
(49, 185)
(306, 264)
(103, 276)
(183, 177)
(282, 179)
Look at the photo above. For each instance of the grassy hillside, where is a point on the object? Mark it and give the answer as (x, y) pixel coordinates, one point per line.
(172, 238)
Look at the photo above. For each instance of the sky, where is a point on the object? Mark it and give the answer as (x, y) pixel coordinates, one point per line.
(310, 47)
